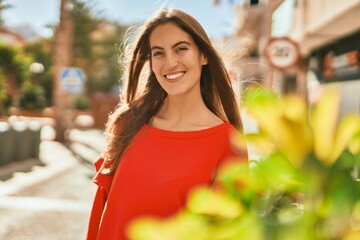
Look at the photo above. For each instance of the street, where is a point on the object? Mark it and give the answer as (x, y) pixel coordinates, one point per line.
(49, 200)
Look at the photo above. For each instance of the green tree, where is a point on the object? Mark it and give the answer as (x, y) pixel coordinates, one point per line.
(32, 96)
(107, 49)
(15, 67)
(3, 95)
(41, 52)
(85, 23)
(94, 46)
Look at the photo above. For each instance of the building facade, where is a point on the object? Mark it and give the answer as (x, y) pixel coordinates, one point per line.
(325, 51)
(328, 33)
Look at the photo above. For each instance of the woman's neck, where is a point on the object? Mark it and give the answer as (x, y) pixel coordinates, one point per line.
(184, 114)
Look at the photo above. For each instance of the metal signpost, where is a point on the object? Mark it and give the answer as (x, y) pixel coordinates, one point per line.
(73, 80)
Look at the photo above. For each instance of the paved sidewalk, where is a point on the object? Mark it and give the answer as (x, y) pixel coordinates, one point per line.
(87, 145)
(49, 198)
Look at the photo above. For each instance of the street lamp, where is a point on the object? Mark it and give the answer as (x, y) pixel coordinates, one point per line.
(36, 69)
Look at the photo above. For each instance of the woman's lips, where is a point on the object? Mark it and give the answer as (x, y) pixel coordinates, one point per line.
(174, 76)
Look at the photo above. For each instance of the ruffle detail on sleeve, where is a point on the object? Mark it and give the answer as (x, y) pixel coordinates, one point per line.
(100, 179)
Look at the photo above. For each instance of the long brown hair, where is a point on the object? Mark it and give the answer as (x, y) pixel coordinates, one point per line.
(138, 108)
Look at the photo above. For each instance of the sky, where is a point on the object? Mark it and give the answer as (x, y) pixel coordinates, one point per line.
(217, 20)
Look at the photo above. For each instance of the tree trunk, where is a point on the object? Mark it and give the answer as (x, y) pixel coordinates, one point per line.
(14, 91)
(63, 56)
(2, 109)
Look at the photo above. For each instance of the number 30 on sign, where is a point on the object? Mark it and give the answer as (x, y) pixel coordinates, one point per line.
(282, 53)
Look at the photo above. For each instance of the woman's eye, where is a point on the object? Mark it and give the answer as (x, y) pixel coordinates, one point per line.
(155, 54)
(181, 49)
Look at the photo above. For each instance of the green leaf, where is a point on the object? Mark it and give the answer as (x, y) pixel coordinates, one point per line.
(183, 225)
(283, 121)
(218, 204)
(276, 173)
(260, 142)
(347, 130)
(354, 144)
(323, 121)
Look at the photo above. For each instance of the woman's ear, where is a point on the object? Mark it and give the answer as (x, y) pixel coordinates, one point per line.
(204, 60)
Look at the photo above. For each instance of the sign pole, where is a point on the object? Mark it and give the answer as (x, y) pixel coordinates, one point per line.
(283, 55)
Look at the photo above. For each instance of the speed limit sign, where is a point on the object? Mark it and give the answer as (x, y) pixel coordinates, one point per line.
(282, 53)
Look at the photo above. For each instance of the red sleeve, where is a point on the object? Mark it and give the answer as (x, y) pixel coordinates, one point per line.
(104, 183)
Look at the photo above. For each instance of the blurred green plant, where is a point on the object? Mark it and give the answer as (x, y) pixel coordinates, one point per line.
(32, 97)
(94, 46)
(41, 52)
(14, 65)
(81, 102)
(305, 186)
(3, 94)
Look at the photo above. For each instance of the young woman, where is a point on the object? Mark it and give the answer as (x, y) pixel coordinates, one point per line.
(170, 136)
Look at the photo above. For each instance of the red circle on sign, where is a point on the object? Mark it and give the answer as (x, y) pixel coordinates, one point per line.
(282, 53)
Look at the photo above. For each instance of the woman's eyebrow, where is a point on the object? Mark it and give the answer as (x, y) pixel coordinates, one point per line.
(173, 46)
(181, 42)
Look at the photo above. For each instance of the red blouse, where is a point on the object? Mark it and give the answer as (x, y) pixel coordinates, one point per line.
(154, 176)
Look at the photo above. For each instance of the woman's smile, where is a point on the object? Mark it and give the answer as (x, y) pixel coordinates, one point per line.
(174, 76)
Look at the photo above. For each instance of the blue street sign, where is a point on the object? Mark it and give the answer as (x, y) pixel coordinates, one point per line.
(73, 80)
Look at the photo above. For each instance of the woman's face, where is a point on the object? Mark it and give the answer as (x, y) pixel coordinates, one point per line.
(176, 60)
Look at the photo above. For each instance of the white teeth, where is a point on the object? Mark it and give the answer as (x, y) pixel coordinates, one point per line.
(173, 76)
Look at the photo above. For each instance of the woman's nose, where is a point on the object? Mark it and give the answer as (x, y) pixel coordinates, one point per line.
(171, 60)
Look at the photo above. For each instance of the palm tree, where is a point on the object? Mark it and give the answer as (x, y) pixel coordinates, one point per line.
(63, 55)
